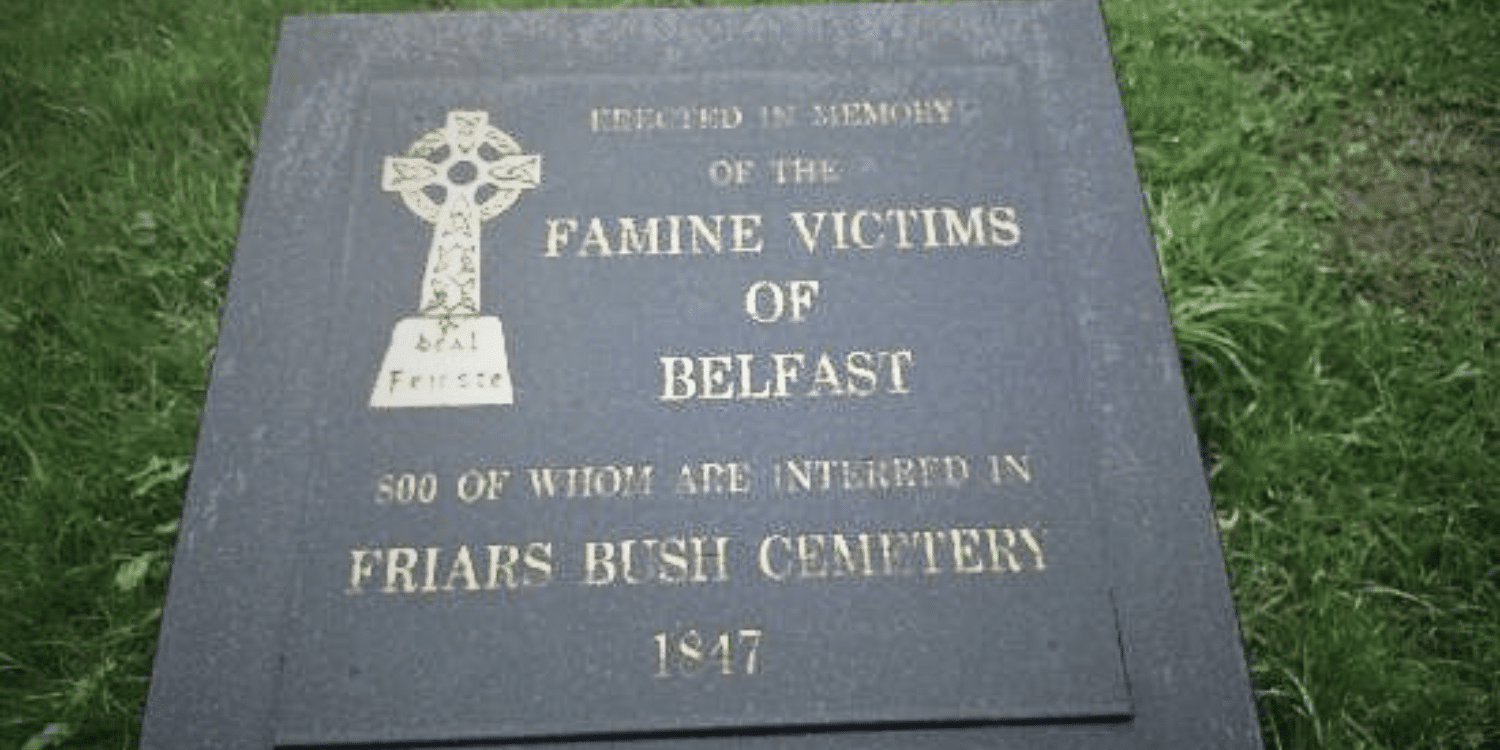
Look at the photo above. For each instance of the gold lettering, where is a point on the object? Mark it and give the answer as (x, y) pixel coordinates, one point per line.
(361, 566)
(745, 232)
(719, 556)
(826, 376)
(1003, 557)
(440, 569)
(844, 562)
(930, 228)
(598, 563)
(1005, 468)
(629, 563)
(929, 549)
(1005, 231)
(596, 239)
(609, 480)
(558, 232)
(713, 478)
(901, 553)
(864, 113)
(858, 230)
(677, 383)
(743, 362)
(899, 362)
(503, 559)
(862, 379)
(964, 233)
(429, 583)
(767, 568)
(810, 556)
(462, 567)
(808, 235)
(1034, 546)
(724, 377)
(538, 562)
(652, 236)
(642, 240)
(793, 475)
(714, 374)
(786, 371)
(713, 238)
(840, 231)
(965, 559)
(672, 560)
(399, 562)
(650, 119)
(894, 546)
(796, 170)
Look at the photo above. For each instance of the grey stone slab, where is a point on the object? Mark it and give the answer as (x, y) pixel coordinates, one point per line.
(752, 376)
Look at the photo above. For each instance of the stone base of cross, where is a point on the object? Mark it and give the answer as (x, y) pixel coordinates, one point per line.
(455, 177)
(459, 361)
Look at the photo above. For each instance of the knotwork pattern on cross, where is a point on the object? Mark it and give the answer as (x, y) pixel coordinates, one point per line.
(457, 177)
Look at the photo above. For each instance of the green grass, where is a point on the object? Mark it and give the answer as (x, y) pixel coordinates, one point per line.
(1324, 183)
(1324, 180)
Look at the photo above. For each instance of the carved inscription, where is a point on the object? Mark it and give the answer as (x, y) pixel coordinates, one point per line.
(677, 559)
(819, 228)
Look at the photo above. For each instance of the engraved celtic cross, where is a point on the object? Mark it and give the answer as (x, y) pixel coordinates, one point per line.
(457, 177)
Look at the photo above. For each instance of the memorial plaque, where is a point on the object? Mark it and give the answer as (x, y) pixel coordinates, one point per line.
(757, 375)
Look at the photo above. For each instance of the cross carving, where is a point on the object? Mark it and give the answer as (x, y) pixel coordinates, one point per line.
(456, 178)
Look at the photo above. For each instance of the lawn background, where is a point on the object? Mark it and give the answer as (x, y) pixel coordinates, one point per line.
(1323, 178)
